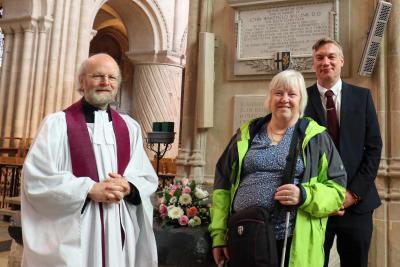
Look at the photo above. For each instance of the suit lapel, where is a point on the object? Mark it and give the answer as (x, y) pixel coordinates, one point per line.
(316, 103)
(345, 105)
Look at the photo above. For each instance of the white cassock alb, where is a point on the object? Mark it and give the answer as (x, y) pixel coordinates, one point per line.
(55, 232)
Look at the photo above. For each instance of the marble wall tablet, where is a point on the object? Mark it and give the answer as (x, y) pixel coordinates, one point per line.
(246, 107)
(293, 26)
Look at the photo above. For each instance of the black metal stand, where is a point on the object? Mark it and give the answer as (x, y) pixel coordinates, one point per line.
(159, 143)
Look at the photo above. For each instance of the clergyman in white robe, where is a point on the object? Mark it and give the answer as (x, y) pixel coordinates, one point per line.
(59, 229)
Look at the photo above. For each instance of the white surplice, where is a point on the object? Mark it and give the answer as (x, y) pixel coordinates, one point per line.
(54, 230)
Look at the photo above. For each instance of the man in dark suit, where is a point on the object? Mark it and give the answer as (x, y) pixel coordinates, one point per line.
(348, 112)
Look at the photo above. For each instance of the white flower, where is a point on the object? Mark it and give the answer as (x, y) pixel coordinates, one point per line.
(173, 200)
(175, 212)
(197, 220)
(192, 223)
(185, 181)
(203, 210)
(200, 194)
(185, 199)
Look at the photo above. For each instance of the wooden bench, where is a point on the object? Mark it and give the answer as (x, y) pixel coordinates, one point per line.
(9, 212)
(14, 146)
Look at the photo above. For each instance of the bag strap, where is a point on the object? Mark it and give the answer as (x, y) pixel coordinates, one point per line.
(288, 177)
(290, 167)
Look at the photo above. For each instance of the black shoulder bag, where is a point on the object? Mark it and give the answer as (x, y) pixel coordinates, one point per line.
(251, 237)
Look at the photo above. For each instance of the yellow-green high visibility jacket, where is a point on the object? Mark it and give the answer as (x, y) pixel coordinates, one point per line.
(323, 181)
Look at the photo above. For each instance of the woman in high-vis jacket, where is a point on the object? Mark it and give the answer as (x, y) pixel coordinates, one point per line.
(250, 172)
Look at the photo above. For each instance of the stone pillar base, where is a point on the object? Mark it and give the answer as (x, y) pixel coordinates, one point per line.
(15, 256)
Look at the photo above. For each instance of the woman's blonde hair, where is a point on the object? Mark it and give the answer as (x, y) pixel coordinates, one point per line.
(288, 79)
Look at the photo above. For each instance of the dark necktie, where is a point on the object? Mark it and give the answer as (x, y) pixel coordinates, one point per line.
(331, 118)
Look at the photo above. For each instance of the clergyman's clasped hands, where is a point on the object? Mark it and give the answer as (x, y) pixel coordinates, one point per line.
(112, 190)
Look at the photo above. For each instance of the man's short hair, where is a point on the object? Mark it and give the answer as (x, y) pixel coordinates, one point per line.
(327, 40)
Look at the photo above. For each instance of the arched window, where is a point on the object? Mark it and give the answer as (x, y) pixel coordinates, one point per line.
(1, 38)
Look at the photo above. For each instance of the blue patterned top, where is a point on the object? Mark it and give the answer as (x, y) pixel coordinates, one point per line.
(263, 170)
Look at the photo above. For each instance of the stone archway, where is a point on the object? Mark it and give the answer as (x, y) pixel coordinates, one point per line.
(105, 43)
(108, 40)
(152, 77)
(47, 40)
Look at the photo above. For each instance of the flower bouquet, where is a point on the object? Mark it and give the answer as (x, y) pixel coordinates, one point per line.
(183, 204)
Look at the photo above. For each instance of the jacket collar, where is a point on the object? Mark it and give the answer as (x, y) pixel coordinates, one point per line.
(250, 130)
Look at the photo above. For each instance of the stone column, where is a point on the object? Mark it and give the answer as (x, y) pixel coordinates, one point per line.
(27, 68)
(197, 158)
(38, 96)
(394, 87)
(393, 197)
(4, 76)
(379, 249)
(63, 54)
(68, 85)
(13, 79)
(189, 91)
(85, 35)
(180, 12)
(156, 96)
(53, 62)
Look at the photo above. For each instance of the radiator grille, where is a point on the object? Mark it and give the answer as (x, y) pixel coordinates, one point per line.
(374, 40)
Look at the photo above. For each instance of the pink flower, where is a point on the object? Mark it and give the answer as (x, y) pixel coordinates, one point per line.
(183, 220)
(185, 181)
(191, 212)
(172, 189)
(163, 210)
(186, 190)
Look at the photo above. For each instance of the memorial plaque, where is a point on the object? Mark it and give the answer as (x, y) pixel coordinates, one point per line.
(264, 31)
(247, 107)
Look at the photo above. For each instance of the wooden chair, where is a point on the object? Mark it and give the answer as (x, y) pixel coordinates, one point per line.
(9, 146)
(167, 171)
(12, 154)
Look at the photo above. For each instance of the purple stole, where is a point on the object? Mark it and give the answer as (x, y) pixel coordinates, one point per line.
(82, 154)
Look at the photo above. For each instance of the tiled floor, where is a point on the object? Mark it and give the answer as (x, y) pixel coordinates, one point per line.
(3, 259)
(4, 237)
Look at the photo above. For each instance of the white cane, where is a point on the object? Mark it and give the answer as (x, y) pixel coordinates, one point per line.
(285, 239)
(289, 179)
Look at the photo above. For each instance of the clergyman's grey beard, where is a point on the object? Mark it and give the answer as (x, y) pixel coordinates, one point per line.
(101, 100)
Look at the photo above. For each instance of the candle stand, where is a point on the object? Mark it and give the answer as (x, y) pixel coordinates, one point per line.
(159, 143)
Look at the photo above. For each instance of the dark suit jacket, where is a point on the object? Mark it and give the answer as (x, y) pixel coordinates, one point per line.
(360, 141)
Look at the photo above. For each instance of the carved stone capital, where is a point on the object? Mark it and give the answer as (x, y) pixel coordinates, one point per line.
(196, 160)
(30, 26)
(21, 24)
(45, 24)
(150, 57)
(182, 157)
(6, 29)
